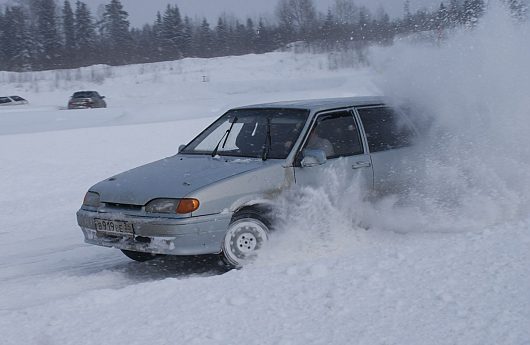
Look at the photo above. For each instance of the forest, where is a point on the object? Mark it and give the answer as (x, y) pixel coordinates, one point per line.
(45, 34)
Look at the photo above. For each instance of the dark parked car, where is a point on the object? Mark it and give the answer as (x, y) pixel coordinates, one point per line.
(86, 99)
(12, 100)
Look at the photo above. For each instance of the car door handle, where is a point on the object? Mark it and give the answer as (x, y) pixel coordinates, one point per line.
(358, 165)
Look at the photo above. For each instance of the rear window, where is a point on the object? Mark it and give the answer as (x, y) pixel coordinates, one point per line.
(4, 100)
(84, 94)
(385, 128)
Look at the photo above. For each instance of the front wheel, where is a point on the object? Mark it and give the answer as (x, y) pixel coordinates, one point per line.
(246, 235)
(138, 256)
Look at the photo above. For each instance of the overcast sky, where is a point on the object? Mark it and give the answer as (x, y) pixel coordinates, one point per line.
(144, 11)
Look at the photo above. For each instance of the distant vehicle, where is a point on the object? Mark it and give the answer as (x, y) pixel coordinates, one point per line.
(214, 196)
(86, 99)
(12, 100)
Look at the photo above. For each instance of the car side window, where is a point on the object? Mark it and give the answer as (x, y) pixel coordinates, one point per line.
(385, 129)
(336, 134)
(4, 100)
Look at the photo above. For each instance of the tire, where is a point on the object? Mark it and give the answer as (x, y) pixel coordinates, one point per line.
(247, 233)
(138, 256)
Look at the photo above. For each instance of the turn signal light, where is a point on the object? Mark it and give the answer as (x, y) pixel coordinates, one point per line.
(187, 205)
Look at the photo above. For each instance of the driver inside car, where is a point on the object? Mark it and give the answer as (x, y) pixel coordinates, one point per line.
(317, 142)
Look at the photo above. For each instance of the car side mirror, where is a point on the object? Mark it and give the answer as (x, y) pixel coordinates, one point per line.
(313, 157)
(102, 97)
(181, 147)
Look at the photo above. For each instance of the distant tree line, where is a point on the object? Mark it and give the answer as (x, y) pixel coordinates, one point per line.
(41, 34)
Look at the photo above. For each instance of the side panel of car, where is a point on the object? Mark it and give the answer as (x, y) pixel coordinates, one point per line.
(389, 136)
(252, 187)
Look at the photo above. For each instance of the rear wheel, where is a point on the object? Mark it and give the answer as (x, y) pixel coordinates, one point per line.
(138, 256)
(247, 233)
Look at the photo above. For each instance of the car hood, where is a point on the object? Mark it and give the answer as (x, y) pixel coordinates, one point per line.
(172, 177)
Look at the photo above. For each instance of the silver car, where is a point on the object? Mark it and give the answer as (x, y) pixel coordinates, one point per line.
(12, 100)
(216, 194)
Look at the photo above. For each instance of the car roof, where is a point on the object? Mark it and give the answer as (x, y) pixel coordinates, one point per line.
(321, 104)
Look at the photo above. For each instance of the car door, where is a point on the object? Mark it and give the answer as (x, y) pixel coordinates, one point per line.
(389, 135)
(346, 156)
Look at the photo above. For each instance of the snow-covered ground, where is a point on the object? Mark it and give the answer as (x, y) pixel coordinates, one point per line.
(448, 264)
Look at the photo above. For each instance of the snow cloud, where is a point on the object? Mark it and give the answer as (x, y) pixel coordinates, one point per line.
(471, 168)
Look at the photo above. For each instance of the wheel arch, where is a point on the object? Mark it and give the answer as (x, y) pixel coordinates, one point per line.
(261, 209)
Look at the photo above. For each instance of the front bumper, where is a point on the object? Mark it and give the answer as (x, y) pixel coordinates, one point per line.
(187, 236)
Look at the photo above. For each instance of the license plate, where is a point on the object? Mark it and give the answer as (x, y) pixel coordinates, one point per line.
(113, 227)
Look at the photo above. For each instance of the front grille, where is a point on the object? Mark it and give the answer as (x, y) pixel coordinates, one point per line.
(127, 207)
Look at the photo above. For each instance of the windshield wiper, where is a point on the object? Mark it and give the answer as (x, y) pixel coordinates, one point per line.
(225, 136)
(268, 141)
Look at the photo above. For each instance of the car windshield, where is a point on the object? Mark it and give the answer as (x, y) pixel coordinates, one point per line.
(17, 98)
(84, 94)
(254, 133)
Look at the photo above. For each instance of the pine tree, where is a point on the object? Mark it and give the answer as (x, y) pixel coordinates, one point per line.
(442, 17)
(407, 16)
(47, 34)
(85, 35)
(238, 40)
(327, 32)
(263, 38)
(204, 40)
(69, 35)
(145, 45)
(171, 33)
(364, 23)
(381, 27)
(220, 44)
(250, 36)
(16, 40)
(473, 10)
(518, 9)
(187, 37)
(454, 14)
(157, 36)
(115, 31)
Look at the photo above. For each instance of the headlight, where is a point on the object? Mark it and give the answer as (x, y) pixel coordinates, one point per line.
(181, 206)
(91, 199)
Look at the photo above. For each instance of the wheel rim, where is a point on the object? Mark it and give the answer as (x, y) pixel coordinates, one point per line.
(243, 240)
